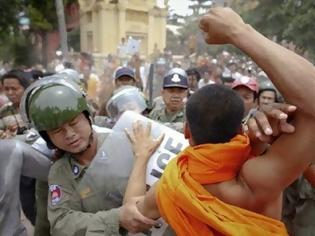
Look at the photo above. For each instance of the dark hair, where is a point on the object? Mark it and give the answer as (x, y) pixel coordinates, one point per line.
(68, 65)
(87, 57)
(193, 72)
(214, 114)
(18, 75)
(37, 74)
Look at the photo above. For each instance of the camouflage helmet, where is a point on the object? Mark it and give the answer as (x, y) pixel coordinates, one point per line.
(51, 102)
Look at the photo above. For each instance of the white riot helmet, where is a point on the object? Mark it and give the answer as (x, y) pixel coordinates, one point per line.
(126, 98)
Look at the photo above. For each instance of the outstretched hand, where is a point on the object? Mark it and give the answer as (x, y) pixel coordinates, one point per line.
(143, 144)
(270, 121)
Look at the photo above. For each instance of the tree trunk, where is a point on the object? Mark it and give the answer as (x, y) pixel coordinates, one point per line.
(62, 28)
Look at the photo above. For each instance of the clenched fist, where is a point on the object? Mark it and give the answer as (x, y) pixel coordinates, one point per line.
(221, 25)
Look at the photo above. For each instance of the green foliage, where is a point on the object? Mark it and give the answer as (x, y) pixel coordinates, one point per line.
(16, 44)
(289, 20)
(8, 14)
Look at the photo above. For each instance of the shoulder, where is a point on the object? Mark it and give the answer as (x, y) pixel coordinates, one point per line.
(59, 168)
(155, 113)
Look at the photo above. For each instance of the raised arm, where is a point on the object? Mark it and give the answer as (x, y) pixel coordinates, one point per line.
(289, 155)
(293, 75)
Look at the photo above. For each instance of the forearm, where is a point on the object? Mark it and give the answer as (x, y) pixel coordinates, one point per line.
(137, 181)
(292, 74)
(147, 204)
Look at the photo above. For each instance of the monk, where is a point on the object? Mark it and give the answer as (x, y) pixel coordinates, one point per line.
(215, 186)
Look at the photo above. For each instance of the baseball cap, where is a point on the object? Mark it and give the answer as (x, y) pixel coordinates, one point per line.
(176, 77)
(124, 71)
(249, 82)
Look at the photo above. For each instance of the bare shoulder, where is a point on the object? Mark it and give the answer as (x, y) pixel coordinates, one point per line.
(268, 175)
(235, 192)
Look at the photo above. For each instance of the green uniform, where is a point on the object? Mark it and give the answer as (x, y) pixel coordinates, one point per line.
(299, 208)
(74, 208)
(174, 120)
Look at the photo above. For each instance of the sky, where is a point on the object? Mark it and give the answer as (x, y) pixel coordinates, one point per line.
(179, 6)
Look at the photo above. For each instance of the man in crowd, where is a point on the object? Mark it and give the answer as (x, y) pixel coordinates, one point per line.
(14, 83)
(208, 74)
(60, 113)
(267, 93)
(213, 186)
(124, 76)
(247, 88)
(193, 79)
(174, 94)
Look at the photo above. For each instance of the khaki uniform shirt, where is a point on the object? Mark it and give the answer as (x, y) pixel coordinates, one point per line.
(174, 121)
(73, 210)
(299, 208)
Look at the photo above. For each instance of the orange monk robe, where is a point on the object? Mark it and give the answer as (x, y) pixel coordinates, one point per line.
(191, 210)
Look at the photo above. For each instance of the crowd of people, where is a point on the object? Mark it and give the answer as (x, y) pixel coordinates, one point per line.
(248, 167)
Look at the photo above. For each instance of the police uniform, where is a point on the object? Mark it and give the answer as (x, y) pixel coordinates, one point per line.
(74, 206)
(175, 78)
(17, 158)
(10, 116)
(42, 227)
(174, 120)
(299, 208)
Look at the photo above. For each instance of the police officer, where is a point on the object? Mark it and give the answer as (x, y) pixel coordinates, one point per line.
(59, 111)
(125, 98)
(267, 93)
(174, 94)
(124, 76)
(17, 158)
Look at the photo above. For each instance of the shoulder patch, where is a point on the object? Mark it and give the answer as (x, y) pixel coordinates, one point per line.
(55, 194)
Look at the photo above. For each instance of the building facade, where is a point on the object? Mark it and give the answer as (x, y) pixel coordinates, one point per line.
(104, 23)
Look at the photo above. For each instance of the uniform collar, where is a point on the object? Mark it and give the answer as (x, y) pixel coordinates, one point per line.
(78, 169)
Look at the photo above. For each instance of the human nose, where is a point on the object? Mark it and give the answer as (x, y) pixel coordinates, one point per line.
(69, 132)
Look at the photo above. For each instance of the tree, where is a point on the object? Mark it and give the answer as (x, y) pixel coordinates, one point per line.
(43, 19)
(62, 27)
(285, 20)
